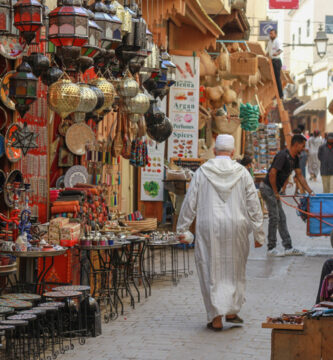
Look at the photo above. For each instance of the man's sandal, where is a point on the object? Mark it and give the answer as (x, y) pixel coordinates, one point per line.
(235, 320)
(211, 327)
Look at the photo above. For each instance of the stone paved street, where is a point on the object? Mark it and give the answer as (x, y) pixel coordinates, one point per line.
(171, 324)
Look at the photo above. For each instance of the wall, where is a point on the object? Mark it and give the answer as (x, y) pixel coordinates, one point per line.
(256, 11)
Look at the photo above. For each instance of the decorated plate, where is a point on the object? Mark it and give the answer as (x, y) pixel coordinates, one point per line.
(3, 118)
(3, 65)
(2, 145)
(6, 310)
(60, 183)
(2, 180)
(4, 90)
(72, 288)
(62, 294)
(14, 176)
(13, 154)
(76, 174)
(12, 47)
(52, 303)
(77, 137)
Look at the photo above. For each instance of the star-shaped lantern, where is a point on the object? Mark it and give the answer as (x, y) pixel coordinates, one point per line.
(25, 139)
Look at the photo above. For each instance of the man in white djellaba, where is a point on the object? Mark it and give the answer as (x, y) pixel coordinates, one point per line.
(223, 198)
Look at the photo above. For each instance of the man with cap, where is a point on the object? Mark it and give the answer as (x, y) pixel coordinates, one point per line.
(223, 198)
(325, 155)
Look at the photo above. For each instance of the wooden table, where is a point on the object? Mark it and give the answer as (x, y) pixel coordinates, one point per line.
(314, 342)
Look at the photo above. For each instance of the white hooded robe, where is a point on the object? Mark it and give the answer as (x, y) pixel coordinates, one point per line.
(223, 198)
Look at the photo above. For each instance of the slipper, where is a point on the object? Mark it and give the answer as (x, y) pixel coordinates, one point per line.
(211, 327)
(235, 320)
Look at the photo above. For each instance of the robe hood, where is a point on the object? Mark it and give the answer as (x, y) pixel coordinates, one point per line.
(223, 174)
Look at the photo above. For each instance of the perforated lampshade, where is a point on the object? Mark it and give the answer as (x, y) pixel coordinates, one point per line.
(4, 17)
(92, 47)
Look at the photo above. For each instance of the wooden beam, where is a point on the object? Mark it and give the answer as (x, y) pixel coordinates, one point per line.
(196, 22)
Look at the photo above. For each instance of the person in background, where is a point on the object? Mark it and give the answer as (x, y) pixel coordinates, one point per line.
(303, 158)
(325, 155)
(273, 51)
(224, 200)
(247, 162)
(283, 164)
(315, 142)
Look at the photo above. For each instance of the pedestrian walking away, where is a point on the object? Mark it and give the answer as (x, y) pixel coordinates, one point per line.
(283, 164)
(325, 155)
(314, 142)
(223, 198)
(303, 157)
(273, 51)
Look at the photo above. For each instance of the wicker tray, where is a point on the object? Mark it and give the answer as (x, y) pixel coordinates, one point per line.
(149, 224)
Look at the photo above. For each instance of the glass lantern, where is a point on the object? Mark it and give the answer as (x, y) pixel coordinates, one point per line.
(23, 88)
(92, 48)
(68, 29)
(5, 17)
(28, 18)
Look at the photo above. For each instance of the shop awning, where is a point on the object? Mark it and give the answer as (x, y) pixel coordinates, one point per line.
(213, 7)
(312, 107)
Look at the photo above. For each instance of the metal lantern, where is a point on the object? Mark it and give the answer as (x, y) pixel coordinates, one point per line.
(88, 102)
(127, 87)
(108, 91)
(124, 16)
(100, 102)
(68, 29)
(5, 24)
(92, 47)
(106, 23)
(138, 104)
(64, 97)
(150, 41)
(116, 24)
(170, 68)
(39, 63)
(28, 18)
(23, 88)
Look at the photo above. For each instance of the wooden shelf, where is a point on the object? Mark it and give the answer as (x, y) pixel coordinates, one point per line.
(283, 326)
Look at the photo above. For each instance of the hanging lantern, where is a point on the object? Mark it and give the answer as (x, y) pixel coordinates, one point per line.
(100, 102)
(107, 23)
(52, 75)
(124, 16)
(116, 24)
(5, 24)
(23, 88)
(68, 29)
(39, 63)
(127, 87)
(92, 48)
(150, 41)
(160, 132)
(28, 18)
(88, 102)
(170, 68)
(64, 97)
(108, 91)
(138, 104)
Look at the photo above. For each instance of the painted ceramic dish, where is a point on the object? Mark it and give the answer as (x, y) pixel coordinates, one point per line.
(23, 296)
(12, 47)
(77, 137)
(13, 154)
(72, 288)
(2, 145)
(4, 90)
(62, 294)
(76, 174)
(16, 304)
(60, 183)
(3, 118)
(2, 180)
(14, 176)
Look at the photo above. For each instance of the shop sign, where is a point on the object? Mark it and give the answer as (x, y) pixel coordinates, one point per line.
(152, 175)
(283, 4)
(329, 24)
(265, 27)
(184, 108)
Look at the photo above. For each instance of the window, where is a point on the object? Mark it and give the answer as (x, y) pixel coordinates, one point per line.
(308, 28)
(299, 35)
(294, 41)
(305, 90)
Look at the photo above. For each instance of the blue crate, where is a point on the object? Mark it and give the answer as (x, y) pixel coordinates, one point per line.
(327, 209)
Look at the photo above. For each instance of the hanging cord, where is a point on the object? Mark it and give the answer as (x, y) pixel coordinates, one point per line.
(305, 212)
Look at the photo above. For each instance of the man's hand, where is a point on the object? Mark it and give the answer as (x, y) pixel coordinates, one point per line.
(257, 244)
(277, 195)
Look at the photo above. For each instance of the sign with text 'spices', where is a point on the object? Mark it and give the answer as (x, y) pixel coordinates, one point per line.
(283, 4)
(184, 108)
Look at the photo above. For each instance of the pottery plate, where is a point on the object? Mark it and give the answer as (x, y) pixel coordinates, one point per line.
(77, 137)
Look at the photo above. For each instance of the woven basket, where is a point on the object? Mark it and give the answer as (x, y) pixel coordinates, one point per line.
(225, 124)
(265, 68)
(243, 63)
(149, 224)
(330, 107)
